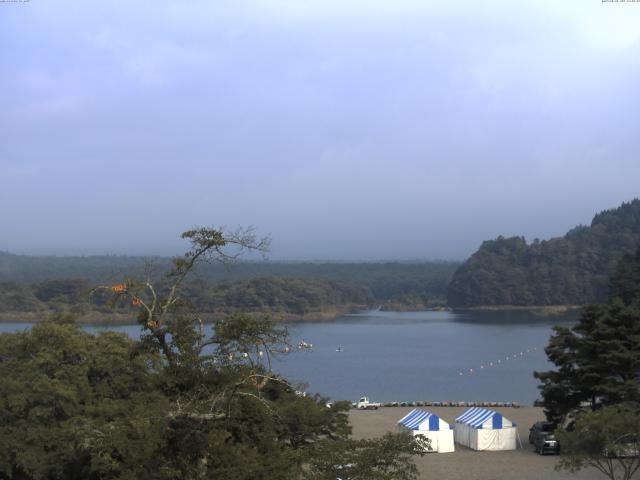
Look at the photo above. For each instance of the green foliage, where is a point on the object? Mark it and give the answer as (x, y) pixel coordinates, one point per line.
(412, 302)
(19, 297)
(385, 458)
(595, 391)
(571, 270)
(597, 361)
(64, 291)
(262, 295)
(175, 404)
(625, 282)
(279, 295)
(62, 317)
(316, 288)
(386, 280)
(608, 440)
(78, 406)
(73, 405)
(402, 284)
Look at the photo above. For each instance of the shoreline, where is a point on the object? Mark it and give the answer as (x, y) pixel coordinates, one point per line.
(95, 317)
(543, 310)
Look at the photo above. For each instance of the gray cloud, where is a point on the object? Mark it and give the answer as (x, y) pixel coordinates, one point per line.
(372, 130)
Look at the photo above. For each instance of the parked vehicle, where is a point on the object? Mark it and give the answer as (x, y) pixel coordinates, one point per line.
(365, 404)
(538, 429)
(546, 443)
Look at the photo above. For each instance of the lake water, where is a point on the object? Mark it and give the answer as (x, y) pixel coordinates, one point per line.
(436, 356)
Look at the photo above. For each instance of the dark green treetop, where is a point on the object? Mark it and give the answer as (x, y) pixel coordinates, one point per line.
(597, 360)
(569, 270)
(625, 282)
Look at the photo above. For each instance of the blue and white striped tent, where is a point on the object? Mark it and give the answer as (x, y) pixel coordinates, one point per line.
(477, 417)
(421, 422)
(483, 429)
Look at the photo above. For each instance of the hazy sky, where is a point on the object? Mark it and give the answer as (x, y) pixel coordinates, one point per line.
(358, 129)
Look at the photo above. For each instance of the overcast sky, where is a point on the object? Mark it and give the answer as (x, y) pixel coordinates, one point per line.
(346, 130)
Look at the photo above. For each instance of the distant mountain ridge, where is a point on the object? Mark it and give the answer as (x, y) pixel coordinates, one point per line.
(569, 270)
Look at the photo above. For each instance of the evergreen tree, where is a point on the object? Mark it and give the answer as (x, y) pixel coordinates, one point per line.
(625, 282)
(597, 360)
(569, 270)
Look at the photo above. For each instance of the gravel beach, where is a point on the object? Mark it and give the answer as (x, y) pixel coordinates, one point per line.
(466, 464)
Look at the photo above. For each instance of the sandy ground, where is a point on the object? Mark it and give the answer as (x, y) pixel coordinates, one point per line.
(467, 464)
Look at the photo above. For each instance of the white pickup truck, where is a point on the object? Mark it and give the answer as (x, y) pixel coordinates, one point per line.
(365, 404)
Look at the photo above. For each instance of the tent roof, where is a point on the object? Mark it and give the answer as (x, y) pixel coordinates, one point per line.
(476, 417)
(417, 417)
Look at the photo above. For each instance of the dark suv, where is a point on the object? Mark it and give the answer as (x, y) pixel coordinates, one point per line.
(542, 438)
(538, 429)
(546, 443)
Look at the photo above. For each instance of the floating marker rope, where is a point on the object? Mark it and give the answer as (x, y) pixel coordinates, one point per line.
(490, 364)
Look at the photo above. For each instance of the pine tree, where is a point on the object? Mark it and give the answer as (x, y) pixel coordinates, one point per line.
(598, 361)
(625, 282)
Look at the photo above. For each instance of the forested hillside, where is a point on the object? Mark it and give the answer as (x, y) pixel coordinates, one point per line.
(625, 282)
(282, 297)
(570, 270)
(387, 280)
(286, 289)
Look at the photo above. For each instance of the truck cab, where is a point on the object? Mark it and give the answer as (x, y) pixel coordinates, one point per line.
(365, 404)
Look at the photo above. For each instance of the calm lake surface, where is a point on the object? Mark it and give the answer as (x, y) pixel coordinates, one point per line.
(436, 356)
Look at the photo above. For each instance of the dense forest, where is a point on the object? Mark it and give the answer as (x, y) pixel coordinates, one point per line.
(625, 282)
(281, 297)
(176, 403)
(285, 290)
(570, 270)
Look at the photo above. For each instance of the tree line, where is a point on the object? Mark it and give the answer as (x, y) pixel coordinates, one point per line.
(260, 295)
(570, 270)
(41, 284)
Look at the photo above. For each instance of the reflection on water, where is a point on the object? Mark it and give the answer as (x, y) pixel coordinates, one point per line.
(411, 356)
(395, 318)
(519, 317)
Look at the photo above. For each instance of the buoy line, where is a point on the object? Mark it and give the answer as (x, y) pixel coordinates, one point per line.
(502, 360)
